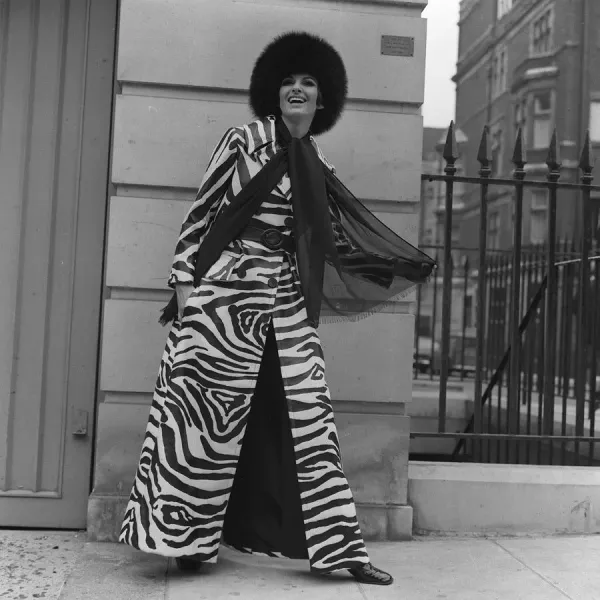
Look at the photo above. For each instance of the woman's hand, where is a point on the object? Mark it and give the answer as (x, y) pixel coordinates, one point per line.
(183, 291)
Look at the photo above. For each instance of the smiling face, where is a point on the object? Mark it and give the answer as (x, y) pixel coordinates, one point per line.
(299, 97)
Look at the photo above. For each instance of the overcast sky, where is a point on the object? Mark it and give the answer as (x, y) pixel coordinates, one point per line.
(442, 48)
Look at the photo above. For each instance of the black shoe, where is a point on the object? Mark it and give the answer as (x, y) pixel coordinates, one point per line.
(188, 564)
(370, 574)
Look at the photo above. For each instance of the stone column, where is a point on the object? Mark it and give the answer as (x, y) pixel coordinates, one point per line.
(183, 70)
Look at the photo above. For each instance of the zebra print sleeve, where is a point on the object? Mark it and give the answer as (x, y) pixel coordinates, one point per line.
(200, 216)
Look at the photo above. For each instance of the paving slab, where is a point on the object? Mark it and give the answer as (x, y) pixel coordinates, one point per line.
(35, 564)
(572, 564)
(250, 577)
(458, 569)
(116, 572)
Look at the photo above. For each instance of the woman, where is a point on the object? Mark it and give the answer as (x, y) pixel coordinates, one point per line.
(271, 238)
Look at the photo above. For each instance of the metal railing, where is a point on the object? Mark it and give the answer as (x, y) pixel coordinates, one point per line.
(520, 330)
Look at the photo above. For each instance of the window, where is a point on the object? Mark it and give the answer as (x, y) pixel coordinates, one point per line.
(539, 200)
(538, 230)
(595, 121)
(494, 231)
(542, 119)
(424, 325)
(499, 71)
(541, 33)
(504, 7)
(521, 118)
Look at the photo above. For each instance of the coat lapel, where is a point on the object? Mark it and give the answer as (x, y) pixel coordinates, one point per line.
(262, 146)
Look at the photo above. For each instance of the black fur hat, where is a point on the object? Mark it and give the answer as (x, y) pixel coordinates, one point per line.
(300, 52)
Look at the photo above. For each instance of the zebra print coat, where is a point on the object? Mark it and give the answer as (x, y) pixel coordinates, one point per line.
(214, 369)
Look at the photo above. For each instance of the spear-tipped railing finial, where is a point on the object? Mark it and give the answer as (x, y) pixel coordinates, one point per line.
(484, 155)
(450, 152)
(519, 159)
(587, 160)
(553, 156)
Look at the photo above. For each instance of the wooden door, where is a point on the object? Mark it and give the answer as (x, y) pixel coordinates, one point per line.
(56, 90)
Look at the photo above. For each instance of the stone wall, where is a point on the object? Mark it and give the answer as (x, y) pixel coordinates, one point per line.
(183, 72)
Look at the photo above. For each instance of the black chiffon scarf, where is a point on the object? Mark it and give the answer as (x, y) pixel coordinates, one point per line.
(349, 262)
(313, 231)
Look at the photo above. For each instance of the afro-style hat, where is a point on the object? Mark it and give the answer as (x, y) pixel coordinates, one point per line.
(300, 52)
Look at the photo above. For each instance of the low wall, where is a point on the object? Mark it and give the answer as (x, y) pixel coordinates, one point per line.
(487, 499)
(424, 415)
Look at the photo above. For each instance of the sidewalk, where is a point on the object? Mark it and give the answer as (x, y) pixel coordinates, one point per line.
(63, 566)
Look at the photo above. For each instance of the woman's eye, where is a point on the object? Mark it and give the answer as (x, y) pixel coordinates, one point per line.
(291, 81)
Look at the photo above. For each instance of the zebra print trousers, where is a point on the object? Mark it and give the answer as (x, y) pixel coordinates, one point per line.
(206, 381)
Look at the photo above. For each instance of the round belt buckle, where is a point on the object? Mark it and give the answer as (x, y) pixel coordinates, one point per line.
(272, 239)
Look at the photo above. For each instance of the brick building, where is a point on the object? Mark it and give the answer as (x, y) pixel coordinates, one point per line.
(528, 64)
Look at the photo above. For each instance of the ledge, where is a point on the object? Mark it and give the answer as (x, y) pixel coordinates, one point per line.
(488, 499)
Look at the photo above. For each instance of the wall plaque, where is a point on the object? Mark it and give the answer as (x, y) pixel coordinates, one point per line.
(397, 45)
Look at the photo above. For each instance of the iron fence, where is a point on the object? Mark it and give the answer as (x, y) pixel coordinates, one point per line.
(519, 328)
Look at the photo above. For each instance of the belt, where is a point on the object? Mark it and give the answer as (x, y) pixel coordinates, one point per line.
(271, 237)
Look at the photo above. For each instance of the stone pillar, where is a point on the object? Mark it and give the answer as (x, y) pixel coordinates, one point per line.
(183, 70)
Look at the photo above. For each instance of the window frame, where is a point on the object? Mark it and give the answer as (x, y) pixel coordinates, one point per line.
(493, 229)
(595, 120)
(521, 107)
(499, 71)
(544, 115)
(549, 13)
(536, 218)
(536, 205)
(503, 7)
(538, 214)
